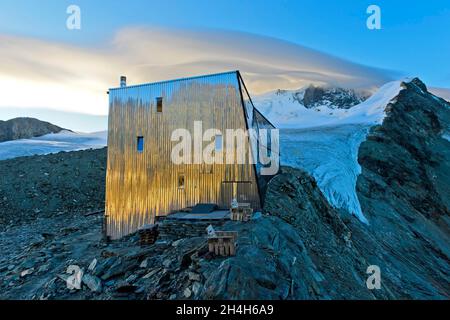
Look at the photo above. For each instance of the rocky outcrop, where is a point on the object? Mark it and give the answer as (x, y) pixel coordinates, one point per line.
(404, 191)
(411, 254)
(271, 263)
(303, 250)
(25, 128)
(294, 197)
(331, 97)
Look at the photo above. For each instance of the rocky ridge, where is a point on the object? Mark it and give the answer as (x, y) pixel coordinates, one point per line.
(404, 191)
(25, 128)
(333, 98)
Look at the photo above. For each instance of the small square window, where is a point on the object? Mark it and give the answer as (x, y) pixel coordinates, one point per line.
(140, 144)
(159, 104)
(181, 181)
(219, 143)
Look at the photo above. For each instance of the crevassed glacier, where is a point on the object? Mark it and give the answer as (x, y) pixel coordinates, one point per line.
(325, 142)
(329, 154)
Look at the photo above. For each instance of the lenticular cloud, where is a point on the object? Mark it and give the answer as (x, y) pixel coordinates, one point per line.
(52, 71)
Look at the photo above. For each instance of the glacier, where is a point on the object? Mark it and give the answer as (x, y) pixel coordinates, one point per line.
(52, 143)
(329, 154)
(325, 141)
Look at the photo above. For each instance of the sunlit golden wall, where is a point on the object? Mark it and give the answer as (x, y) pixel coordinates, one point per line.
(140, 186)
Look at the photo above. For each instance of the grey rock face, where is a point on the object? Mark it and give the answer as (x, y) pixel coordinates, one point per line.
(271, 263)
(331, 97)
(25, 128)
(404, 191)
(337, 269)
(92, 282)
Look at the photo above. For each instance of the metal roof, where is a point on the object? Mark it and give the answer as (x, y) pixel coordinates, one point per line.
(179, 79)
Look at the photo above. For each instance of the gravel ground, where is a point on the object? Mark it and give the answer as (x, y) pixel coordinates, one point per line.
(51, 185)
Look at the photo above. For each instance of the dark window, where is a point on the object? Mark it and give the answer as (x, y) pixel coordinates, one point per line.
(181, 181)
(140, 144)
(159, 104)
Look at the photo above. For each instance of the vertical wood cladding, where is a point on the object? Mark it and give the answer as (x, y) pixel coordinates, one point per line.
(143, 185)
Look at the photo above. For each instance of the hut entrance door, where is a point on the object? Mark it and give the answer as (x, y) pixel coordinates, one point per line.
(196, 184)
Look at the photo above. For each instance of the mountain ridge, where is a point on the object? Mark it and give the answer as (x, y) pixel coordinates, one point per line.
(300, 247)
(404, 192)
(25, 128)
(324, 106)
(332, 97)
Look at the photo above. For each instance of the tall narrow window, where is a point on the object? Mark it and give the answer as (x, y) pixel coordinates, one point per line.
(140, 144)
(219, 143)
(159, 104)
(181, 181)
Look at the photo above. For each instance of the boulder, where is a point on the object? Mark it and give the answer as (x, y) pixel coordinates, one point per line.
(119, 267)
(92, 282)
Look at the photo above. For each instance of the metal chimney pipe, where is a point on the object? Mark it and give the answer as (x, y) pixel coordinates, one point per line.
(123, 81)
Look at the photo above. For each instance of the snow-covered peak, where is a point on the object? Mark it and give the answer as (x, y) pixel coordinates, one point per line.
(286, 109)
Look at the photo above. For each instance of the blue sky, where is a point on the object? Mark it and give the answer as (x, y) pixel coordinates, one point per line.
(415, 35)
(414, 39)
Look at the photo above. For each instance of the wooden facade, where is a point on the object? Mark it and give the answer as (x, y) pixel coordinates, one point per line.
(142, 182)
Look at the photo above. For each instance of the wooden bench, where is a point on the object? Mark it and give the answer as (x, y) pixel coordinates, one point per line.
(223, 243)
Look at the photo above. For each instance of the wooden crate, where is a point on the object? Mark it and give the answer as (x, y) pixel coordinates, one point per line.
(223, 243)
(242, 213)
(148, 234)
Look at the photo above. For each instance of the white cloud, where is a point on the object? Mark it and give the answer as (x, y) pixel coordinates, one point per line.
(38, 73)
(441, 92)
(267, 63)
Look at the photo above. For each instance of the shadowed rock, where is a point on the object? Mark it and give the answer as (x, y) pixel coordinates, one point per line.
(25, 128)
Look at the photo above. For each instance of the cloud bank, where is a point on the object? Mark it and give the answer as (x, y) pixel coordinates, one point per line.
(441, 92)
(38, 73)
